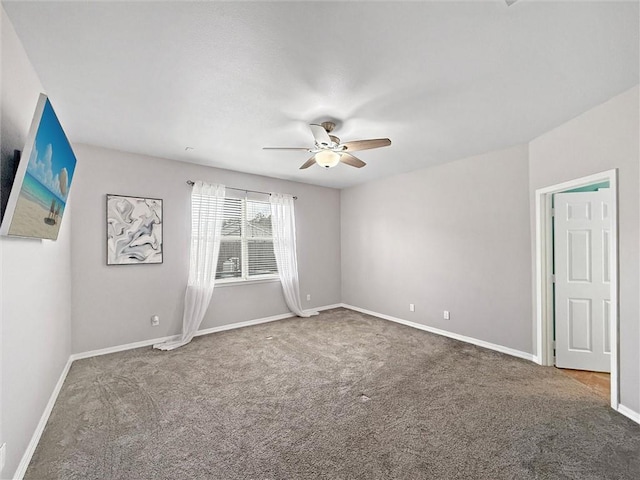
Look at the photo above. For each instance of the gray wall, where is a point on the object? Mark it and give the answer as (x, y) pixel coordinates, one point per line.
(453, 237)
(604, 138)
(460, 236)
(112, 305)
(35, 292)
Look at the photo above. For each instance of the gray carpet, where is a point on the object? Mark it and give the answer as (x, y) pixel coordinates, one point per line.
(339, 396)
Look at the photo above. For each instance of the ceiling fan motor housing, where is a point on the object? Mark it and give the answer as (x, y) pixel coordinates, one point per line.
(328, 126)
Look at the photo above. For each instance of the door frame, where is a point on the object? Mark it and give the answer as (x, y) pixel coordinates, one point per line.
(544, 267)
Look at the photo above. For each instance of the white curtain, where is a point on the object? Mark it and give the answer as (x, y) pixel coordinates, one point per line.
(283, 222)
(207, 202)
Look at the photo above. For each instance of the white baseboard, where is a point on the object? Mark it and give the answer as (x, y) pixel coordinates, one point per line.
(205, 331)
(481, 343)
(627, 412)
(153, 341)
(119, 348)
(248, 323)
(258, 321)
(35, 438)
(328, 307)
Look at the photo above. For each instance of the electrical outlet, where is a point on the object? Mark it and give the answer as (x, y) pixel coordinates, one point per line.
(155, 321)
(3, 455)
(445, 315)
(308, 297)
(412, 307)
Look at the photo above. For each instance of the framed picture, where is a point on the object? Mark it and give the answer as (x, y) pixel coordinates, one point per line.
(40, 190)
(134, 230)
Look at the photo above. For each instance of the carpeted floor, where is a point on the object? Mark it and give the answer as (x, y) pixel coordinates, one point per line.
(339, 396)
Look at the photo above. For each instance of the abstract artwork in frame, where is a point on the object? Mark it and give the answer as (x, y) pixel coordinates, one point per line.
(134, 230)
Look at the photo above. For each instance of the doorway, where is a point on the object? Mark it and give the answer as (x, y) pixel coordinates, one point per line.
(545, 289)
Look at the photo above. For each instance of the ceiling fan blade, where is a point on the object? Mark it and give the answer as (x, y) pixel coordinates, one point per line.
(351, 160)
(308, 163)
(285, 148)
(320, 134)
(366, 144)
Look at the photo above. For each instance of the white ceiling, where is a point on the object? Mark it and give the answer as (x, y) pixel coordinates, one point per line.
(443, 80)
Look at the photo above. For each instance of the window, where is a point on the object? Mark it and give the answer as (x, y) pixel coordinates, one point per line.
(246, 245)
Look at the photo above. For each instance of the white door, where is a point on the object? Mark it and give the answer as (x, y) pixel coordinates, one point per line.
(582, 246)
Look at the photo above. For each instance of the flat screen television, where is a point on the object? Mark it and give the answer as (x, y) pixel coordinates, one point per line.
(39, 194)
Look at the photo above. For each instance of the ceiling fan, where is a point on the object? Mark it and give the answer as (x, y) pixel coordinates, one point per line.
(328, 151)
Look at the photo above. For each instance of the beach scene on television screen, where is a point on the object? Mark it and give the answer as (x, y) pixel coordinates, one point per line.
(45, 187)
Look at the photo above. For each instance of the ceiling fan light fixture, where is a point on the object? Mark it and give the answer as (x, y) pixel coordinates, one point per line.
(327, 158)
(328, 150)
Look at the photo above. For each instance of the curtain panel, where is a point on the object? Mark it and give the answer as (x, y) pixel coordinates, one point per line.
(283, 222)
(207, 202)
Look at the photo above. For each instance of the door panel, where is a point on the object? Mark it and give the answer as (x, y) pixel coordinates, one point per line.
(579, 251)
(582, 228)
(606, 266)
(606, 312)
(579, 324)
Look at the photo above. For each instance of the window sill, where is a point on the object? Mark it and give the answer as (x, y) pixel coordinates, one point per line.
(234, 282)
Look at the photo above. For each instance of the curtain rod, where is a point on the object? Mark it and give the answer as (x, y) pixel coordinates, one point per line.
(191, 183)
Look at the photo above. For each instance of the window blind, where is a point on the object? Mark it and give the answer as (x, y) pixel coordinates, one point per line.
(246, 246)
